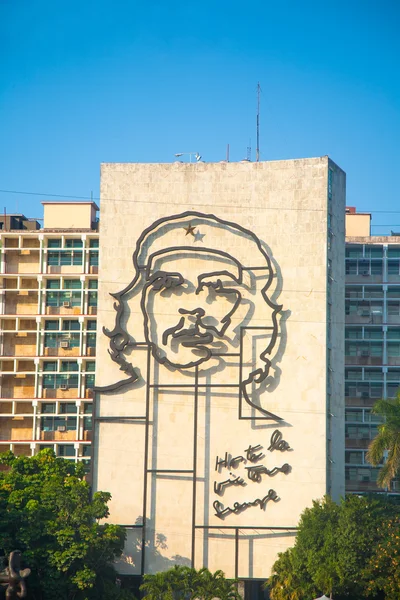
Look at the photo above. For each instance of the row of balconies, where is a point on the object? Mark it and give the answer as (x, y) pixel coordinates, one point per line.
(371, 318)
(22, 344)
(62, 407)
(22, 241)
(23, 386)
(21, 303)
(28, 429)
(366, 359)
(24, 261)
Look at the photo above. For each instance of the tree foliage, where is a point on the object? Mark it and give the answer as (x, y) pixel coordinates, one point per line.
(387, 441)
(383, 569)
(335, 551)
(47, 512)
(184, 583)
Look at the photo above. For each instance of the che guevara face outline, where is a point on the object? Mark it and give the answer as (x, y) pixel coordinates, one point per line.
(122, 341)
(188, 305)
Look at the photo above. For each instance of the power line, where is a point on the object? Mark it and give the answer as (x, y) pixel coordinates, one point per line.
(94, 198)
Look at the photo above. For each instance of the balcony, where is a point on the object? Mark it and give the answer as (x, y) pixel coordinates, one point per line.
(18, 386)
(61, 394)
(21, 303)
(362, 486)
(57, 435)
(61, 344)
(22, 261)
(16, 429)
(19, 343)
(364, 360)
(361, 443)
(359, 401)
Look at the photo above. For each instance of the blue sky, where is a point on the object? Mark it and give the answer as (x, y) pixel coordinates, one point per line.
(85, 82)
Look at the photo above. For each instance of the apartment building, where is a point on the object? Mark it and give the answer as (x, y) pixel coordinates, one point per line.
(48, 306)
(372, 341)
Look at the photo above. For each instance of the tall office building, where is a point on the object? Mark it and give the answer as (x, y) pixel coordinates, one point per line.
(219, 381)
(372, 341)
(48, 307)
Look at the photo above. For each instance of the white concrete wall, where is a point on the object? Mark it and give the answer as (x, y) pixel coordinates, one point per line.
(285, 203)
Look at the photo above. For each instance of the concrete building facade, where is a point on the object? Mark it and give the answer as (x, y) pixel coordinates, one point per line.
(219, 373)
(48, 306)
(372, 346)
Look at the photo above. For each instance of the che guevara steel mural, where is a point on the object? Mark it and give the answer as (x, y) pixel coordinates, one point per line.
(202, 290)
(172, 259)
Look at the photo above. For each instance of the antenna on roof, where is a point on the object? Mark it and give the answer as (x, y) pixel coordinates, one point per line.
(249, 151)
(258, 123)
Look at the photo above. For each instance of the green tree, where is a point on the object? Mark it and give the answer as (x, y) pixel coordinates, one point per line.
(185, 583)
(387, 441)
(383, 569)
(334, 545)
(47, 512)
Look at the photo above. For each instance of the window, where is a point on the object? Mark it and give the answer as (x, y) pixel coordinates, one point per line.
(57, 299)
(90, 366)
(93, 284)
(393, 349)
(376, 267)
(352, 415)
(393, 292)
(374, 251)
(92, 299)
(69, 365)
(65, 258)
(351, 267)
(67, 408)
(86, 451)
(361, 474)
(87, 408)
(58, 381)
(354, 291)
(393, 374)
(70, 325)
(50, 366)
(93, 258)
(371, 291)
(72, 284)
(66, 450)
(91, 340)
(48, 407)
(91, 325)
(73, 243)
(53, 284)
(373, 333)
(353, 333)
(358, 432)
(89, 382)
(87, 423)
(94, 243)
(393, 267)
(51, 325)
(392, 389)
(58, 423)
(54, 243)
(354, 251)
(353, 374)
(373, 375)
(393, 308)
(354, 457)
(50, 340)
(393, 252)
(54, 340)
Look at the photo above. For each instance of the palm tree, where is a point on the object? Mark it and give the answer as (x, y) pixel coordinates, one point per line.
(387, 441)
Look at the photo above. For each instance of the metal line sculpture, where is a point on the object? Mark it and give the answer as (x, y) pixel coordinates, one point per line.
(12, 579)
(195, 333)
